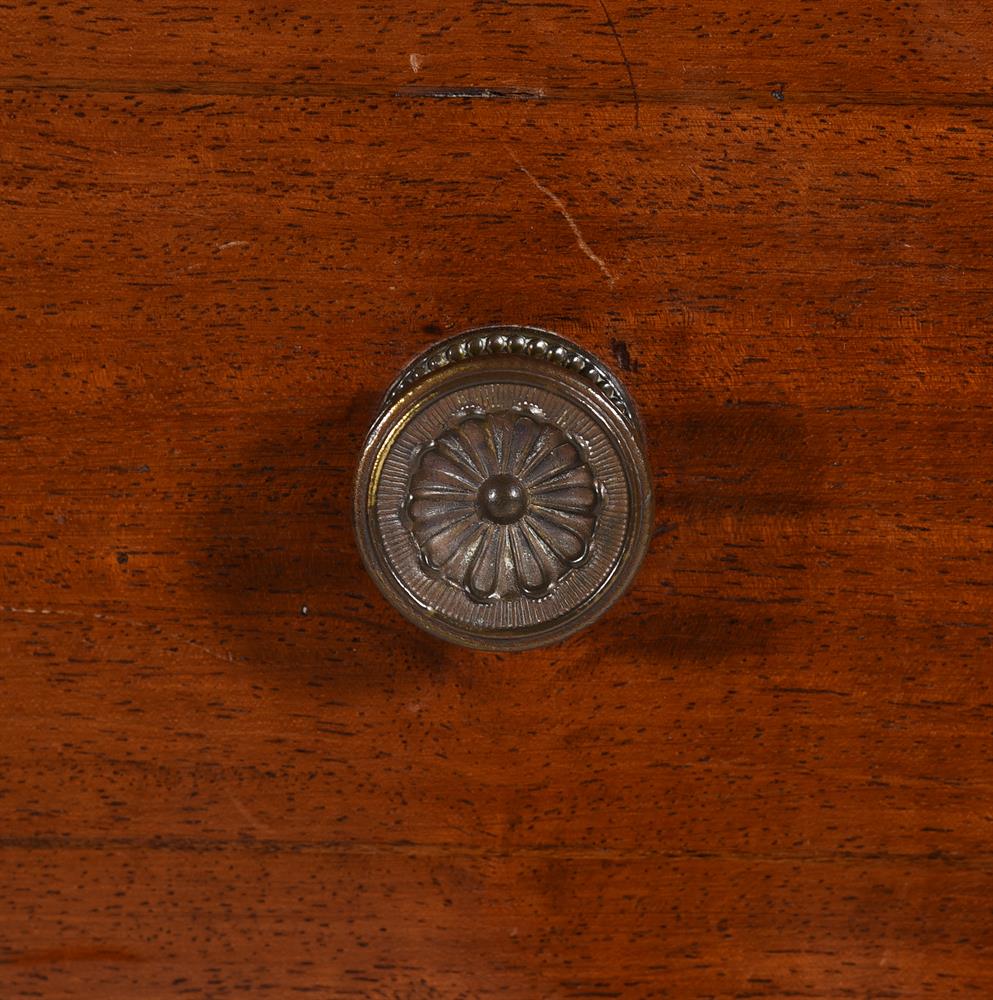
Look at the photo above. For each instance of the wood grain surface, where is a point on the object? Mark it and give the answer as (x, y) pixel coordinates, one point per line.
(227, 768)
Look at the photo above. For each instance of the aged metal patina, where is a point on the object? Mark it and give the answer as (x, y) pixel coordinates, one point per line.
(503, 499)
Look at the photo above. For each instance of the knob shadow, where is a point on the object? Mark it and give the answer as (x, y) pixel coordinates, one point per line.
(281, 572)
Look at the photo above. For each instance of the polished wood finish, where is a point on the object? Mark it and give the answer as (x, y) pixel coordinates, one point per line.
(228, 769)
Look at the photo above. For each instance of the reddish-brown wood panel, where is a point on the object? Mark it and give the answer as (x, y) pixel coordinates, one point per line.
(633, 52)
(236, 918)
(227, 768)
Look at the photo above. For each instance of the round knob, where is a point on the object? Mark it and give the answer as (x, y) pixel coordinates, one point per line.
(503, 499)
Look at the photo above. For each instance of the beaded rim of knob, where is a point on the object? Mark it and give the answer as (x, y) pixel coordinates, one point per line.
(523, 341)
(503, 498)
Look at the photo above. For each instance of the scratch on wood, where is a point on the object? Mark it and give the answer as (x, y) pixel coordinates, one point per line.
(196, 645)
(627, 63)
(560, 205)
(266, 831)
(415, 62)
(473, 93)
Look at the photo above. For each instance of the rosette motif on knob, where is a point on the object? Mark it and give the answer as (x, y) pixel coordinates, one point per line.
(503, 505)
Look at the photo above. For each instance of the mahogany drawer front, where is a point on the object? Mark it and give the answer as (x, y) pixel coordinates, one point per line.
(229, 768)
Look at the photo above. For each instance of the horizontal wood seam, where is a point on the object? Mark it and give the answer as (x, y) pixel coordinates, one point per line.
(979, 862)
(689, 96)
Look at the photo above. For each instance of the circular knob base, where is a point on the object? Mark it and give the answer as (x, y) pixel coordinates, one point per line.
(503, 499)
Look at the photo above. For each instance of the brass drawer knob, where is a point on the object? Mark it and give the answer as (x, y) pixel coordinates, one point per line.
(503, 499)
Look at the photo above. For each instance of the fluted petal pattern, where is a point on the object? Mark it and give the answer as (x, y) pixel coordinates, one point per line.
(494, 561)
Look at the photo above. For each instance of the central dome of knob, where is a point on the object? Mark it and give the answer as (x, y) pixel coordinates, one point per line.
(503, 499)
